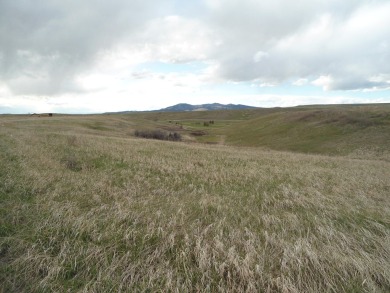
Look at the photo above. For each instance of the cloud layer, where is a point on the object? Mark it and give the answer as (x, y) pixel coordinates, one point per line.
(279, 40)
(45, 44)
(55, 48)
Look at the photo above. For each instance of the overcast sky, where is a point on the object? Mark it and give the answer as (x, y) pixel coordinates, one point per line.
(94, 56)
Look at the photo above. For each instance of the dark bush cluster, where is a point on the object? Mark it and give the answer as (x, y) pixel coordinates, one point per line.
(208, 123)
(158, 134)
(198, 133)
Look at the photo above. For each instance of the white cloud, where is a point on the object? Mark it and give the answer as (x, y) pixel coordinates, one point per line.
(260, 55)
(177, 39)
(301, 82)
(4, 90)
(325, 81)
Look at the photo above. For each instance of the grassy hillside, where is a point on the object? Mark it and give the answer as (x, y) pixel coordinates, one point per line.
(320, 130)
(86, 207)
(339, 129)
(331, 130)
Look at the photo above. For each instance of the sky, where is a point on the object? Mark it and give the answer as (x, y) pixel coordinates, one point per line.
(95, 56)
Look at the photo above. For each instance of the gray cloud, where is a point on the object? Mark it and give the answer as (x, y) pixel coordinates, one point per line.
(44, 44)
(303, 39)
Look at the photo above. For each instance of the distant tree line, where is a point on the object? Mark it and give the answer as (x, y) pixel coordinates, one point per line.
(158, 134)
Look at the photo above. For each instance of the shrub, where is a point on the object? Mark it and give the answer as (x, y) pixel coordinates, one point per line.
(158, 134)
(198, 133)
(175, 136)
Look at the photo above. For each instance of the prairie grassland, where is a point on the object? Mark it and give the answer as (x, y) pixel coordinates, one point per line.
(331, 131)
(82, 210)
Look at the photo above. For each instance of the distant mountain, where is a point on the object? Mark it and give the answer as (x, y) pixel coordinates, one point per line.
(188, 108)
(204, 107)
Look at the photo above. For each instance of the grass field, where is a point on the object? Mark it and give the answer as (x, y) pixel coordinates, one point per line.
(331, 130)
(87, 207)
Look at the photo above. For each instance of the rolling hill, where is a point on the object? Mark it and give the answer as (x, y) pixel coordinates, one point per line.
(85, 206)
(332, 129)
(204, 107)
(283, 200)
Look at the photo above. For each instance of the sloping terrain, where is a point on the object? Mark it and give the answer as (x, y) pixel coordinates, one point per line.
(328, 131)
(339, 129)
(331, 130)
(87, 207)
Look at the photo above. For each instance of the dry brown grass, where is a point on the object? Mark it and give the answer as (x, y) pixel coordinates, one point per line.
(83, 212)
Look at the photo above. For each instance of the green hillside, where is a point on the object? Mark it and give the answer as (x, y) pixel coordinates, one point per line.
(332, 130)
(329, 130)
(339, 129)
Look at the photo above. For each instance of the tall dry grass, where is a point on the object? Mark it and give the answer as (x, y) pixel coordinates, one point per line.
(94, 213)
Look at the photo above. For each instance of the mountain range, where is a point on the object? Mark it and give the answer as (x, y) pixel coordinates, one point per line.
(204, 107)
(183, 107)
